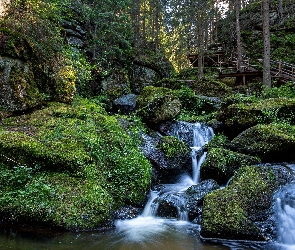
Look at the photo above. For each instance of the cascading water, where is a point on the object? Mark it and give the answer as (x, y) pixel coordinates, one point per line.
(149, 224)
(285, 212)
(201, 135)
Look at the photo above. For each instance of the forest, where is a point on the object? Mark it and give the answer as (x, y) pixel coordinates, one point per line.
(100, 100)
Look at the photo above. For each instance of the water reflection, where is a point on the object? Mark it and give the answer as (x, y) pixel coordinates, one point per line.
(138, 234)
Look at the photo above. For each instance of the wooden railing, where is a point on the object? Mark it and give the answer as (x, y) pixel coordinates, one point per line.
(282, 68)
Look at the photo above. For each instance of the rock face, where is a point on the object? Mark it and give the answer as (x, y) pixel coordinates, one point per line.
(272, 142)
(75, 33)
(18, 87)
(115, 85)
(142, 76)
(157, 105)
(240, 211)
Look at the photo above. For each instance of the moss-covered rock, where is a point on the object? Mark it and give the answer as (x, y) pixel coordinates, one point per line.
(221, 164)
(19, 89)
(158, 104)
(173, 147)
(240, 116)
(231, 213)
(53, 198)
(272, 142)
(115, 84)
(213, 88)
(141, 77)
(81, 157)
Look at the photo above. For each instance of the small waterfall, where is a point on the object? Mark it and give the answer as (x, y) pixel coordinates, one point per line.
(201, 135)
(150, 208)
(285, 210)
(197, 161)
(173, 194)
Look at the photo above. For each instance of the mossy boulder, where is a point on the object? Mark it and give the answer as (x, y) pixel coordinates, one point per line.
(19, 89)
(198, 104)
(195, 197)
(156, 104)
(142, 76)
(240, 116)
(272, 142)
(221, 164)
(212, 88)
(169, 156)
(79, 165)
(115, 84)
(232, 212)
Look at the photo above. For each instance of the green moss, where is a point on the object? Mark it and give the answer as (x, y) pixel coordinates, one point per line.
(221, 164)
(86, 158)
(218, 141)
(241, 116)
(272, 142)
(212, 88)
(172, 147)
(227, 212)
(157, 104)
(13, 44)
(53, 198)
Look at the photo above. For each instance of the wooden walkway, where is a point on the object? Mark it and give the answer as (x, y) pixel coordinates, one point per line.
(284, 71)
(215, 57)
(246, 72)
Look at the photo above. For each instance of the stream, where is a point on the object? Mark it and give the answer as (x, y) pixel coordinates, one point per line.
(150, 231)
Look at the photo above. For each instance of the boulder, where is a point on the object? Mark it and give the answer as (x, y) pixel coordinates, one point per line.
(169, 157)
(240, 210)
(221, 164)
(69, 165)
(142, 76)
(195, 196)
(115, 85)
(19, 90)
(125, 104)
(212, 88)
(170, 205)
(240, 116)
(272, 142)
(156, 105)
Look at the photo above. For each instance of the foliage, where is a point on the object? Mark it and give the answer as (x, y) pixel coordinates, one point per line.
(31, 30)
(111, 32)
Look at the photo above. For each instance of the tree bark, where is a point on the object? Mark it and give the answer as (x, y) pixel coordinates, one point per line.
(266, 42)
(238, 31)
(200, 45)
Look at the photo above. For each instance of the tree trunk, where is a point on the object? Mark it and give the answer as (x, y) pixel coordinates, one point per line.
(238, 31)
(281, 8)
(135, 19)
(266, 42)
(200, 45)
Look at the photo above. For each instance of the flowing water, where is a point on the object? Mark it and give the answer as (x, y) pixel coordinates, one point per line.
(149, 231)
(285, 215)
